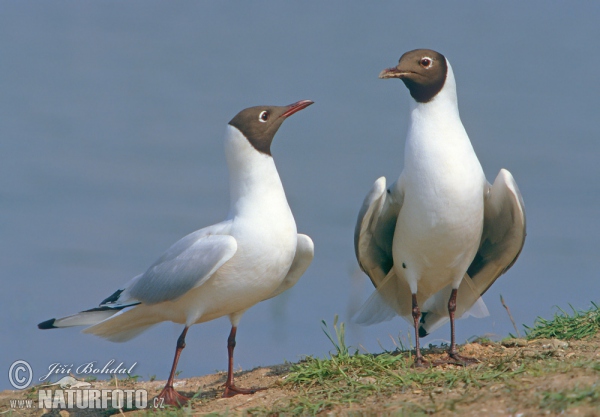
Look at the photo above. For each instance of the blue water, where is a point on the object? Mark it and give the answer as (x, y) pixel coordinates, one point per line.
(111, 123)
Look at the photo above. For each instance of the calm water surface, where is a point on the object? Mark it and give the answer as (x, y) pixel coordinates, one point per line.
(111, 123)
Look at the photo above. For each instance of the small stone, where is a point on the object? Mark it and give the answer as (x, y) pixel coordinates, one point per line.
(417, 391)
(569, 355)
(367, 380)
(514, 343)
(555, 344)
(438, 390)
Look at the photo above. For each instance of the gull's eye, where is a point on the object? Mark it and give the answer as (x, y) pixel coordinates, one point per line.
(263, 116)
(426, 62)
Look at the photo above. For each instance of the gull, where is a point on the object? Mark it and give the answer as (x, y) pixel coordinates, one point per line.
(221, 270)
(437, 238)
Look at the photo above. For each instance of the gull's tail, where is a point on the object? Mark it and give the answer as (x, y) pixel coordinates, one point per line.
(392, 297)
(118, 318)
(126, 324)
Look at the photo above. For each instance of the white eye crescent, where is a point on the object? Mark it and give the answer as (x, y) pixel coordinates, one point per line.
(426, 62)
(263, 116)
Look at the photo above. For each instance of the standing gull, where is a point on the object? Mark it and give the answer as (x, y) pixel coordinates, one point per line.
(437, 238)
(223, 269)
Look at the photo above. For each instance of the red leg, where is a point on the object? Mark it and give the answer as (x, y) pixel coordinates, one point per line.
(170, 396)
(452, 352)
(230, 388)
(416, 313)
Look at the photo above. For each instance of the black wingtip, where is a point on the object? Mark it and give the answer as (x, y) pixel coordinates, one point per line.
(112, 298)
(48, 324)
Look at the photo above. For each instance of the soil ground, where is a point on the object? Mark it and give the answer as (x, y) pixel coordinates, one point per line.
(569, 389)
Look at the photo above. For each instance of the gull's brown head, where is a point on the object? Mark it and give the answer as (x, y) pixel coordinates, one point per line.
(423, 71)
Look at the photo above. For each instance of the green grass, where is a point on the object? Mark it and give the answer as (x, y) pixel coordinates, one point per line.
(350, 380)
(344, 379)
(579, 325)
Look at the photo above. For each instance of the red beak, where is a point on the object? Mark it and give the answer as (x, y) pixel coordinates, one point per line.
(296, 107)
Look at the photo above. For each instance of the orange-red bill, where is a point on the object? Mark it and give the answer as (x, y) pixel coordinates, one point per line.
(296, 107)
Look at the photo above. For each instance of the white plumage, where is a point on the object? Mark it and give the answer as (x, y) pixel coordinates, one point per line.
(441, 234)
(221, 270)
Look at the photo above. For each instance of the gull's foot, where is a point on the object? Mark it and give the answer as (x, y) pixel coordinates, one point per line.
(232, 390)
(420, 362)
(172, 397)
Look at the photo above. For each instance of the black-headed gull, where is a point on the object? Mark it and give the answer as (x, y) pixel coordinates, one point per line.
(223, 269)
(437, 238)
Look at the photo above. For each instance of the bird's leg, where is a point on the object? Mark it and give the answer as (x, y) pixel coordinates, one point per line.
(452, 352)
(168, 394)
(230, 388)
(416, 313)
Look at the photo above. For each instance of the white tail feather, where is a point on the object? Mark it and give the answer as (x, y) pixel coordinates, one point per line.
(389, 299)
(374, 310)
(125, 325)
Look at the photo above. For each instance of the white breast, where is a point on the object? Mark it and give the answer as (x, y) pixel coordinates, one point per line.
(263, 226)
(439, 226)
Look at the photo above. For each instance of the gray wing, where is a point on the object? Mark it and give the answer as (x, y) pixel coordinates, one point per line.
(185, 265)
(503, 237)
(305, 251)
(504, 231)
(373, 238)
(374, 232)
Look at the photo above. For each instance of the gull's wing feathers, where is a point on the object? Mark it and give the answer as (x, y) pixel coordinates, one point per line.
(85, 318)
(108, 307)
(373, 238)
(504, 231)
(185, 265)
(188, 264)
(374, 232)
(503, 237)
(305, 251)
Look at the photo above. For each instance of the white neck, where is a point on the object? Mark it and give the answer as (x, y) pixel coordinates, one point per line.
(254, 184)
(443, 105)
(436, 136)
